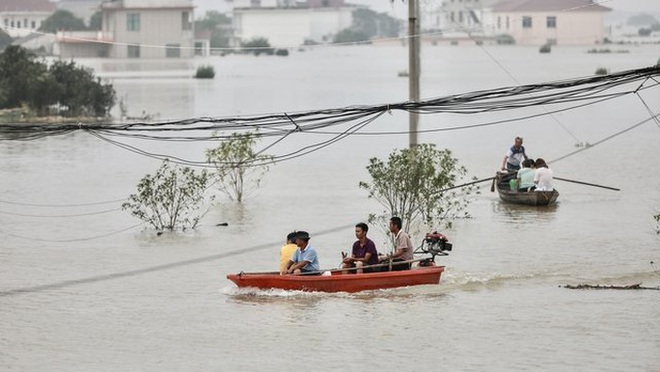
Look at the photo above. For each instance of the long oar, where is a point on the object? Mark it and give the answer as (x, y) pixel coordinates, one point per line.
(467, 184)
(586, 183)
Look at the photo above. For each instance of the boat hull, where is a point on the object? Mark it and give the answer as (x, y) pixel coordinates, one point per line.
(338, 282)
(523, 197)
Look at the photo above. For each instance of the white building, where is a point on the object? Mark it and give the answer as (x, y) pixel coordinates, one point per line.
(291, 25)
(136, 29)
(562, 22)
(20, 18)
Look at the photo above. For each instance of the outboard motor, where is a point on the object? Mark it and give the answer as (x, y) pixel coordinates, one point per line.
(435, 244)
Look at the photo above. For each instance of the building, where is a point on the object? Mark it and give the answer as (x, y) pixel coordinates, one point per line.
(136, 29)
(20, 18)
(561, 22)
(286, 24)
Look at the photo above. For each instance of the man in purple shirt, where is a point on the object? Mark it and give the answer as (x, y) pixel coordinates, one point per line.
(363, 253)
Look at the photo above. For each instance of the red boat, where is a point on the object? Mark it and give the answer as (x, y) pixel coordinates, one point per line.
(338, 281)
(426, 272)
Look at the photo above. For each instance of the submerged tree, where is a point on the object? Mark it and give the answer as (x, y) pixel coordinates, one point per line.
(413, 184)
(657, 226)
(172, 198)
(239, 168)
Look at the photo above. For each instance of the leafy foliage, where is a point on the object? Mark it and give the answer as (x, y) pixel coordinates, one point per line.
(62, 20)
(642, 19)
(26, 81)
(412, 184)
(220, 27)
(368, 24)
(205, 72)
(257, 46)
(96, 21)
(172, 198)
(239, 168)
(351, 36)
(81, 94)
(5, 39)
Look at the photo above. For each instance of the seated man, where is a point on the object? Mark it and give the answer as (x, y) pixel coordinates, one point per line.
(363, 253)
(304, 259)
(403, 247)
(287, 251)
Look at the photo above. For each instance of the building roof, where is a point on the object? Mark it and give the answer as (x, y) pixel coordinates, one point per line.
(549, 5)
(26, 6)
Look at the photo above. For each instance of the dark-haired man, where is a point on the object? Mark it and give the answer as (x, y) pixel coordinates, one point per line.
(304, 259)
(363, 252)
(403, 247)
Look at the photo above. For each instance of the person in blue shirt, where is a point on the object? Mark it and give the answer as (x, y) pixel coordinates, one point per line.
(304, 259)
(514, 156)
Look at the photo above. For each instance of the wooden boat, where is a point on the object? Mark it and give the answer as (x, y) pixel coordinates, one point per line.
(338, 281)
(522, 197)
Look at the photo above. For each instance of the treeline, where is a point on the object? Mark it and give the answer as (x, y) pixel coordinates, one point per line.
(62, 88)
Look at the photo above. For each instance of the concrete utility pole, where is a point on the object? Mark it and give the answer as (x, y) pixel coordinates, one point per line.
(413, 65)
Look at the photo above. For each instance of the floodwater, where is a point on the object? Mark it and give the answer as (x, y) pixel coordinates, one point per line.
(84, 286)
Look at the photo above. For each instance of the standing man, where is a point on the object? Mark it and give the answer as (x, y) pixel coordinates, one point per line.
(304, 259)
(363, 253)
(403, 247)
(287, 251)
(514, 156)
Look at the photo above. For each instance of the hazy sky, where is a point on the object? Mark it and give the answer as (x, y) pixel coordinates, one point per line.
(399, 8)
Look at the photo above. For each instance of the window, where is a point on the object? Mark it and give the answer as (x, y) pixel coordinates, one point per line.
(527, 22)
(133, 51)
(25, 23)
(6, 22)
(460, 16)
(173, 50)
(185, 21)
(507, 22)
(499, 22)
(551, 22)
(133, 22)
(34, 25)
(452, 17)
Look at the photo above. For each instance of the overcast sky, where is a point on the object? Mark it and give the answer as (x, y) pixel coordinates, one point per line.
(399, 8)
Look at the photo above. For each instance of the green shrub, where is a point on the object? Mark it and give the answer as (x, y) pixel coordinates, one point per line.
(205, 72)
(601, 71)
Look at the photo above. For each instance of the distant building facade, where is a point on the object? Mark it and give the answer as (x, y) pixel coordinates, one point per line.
(288, 23)
(528, 22)
(561, 22)
(136, 29)
(20, 18)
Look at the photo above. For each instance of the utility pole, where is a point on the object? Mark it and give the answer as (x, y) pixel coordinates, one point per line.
(413, 66)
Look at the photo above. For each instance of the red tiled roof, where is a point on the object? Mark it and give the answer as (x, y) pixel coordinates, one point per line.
(26, 6)
(549, 5)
